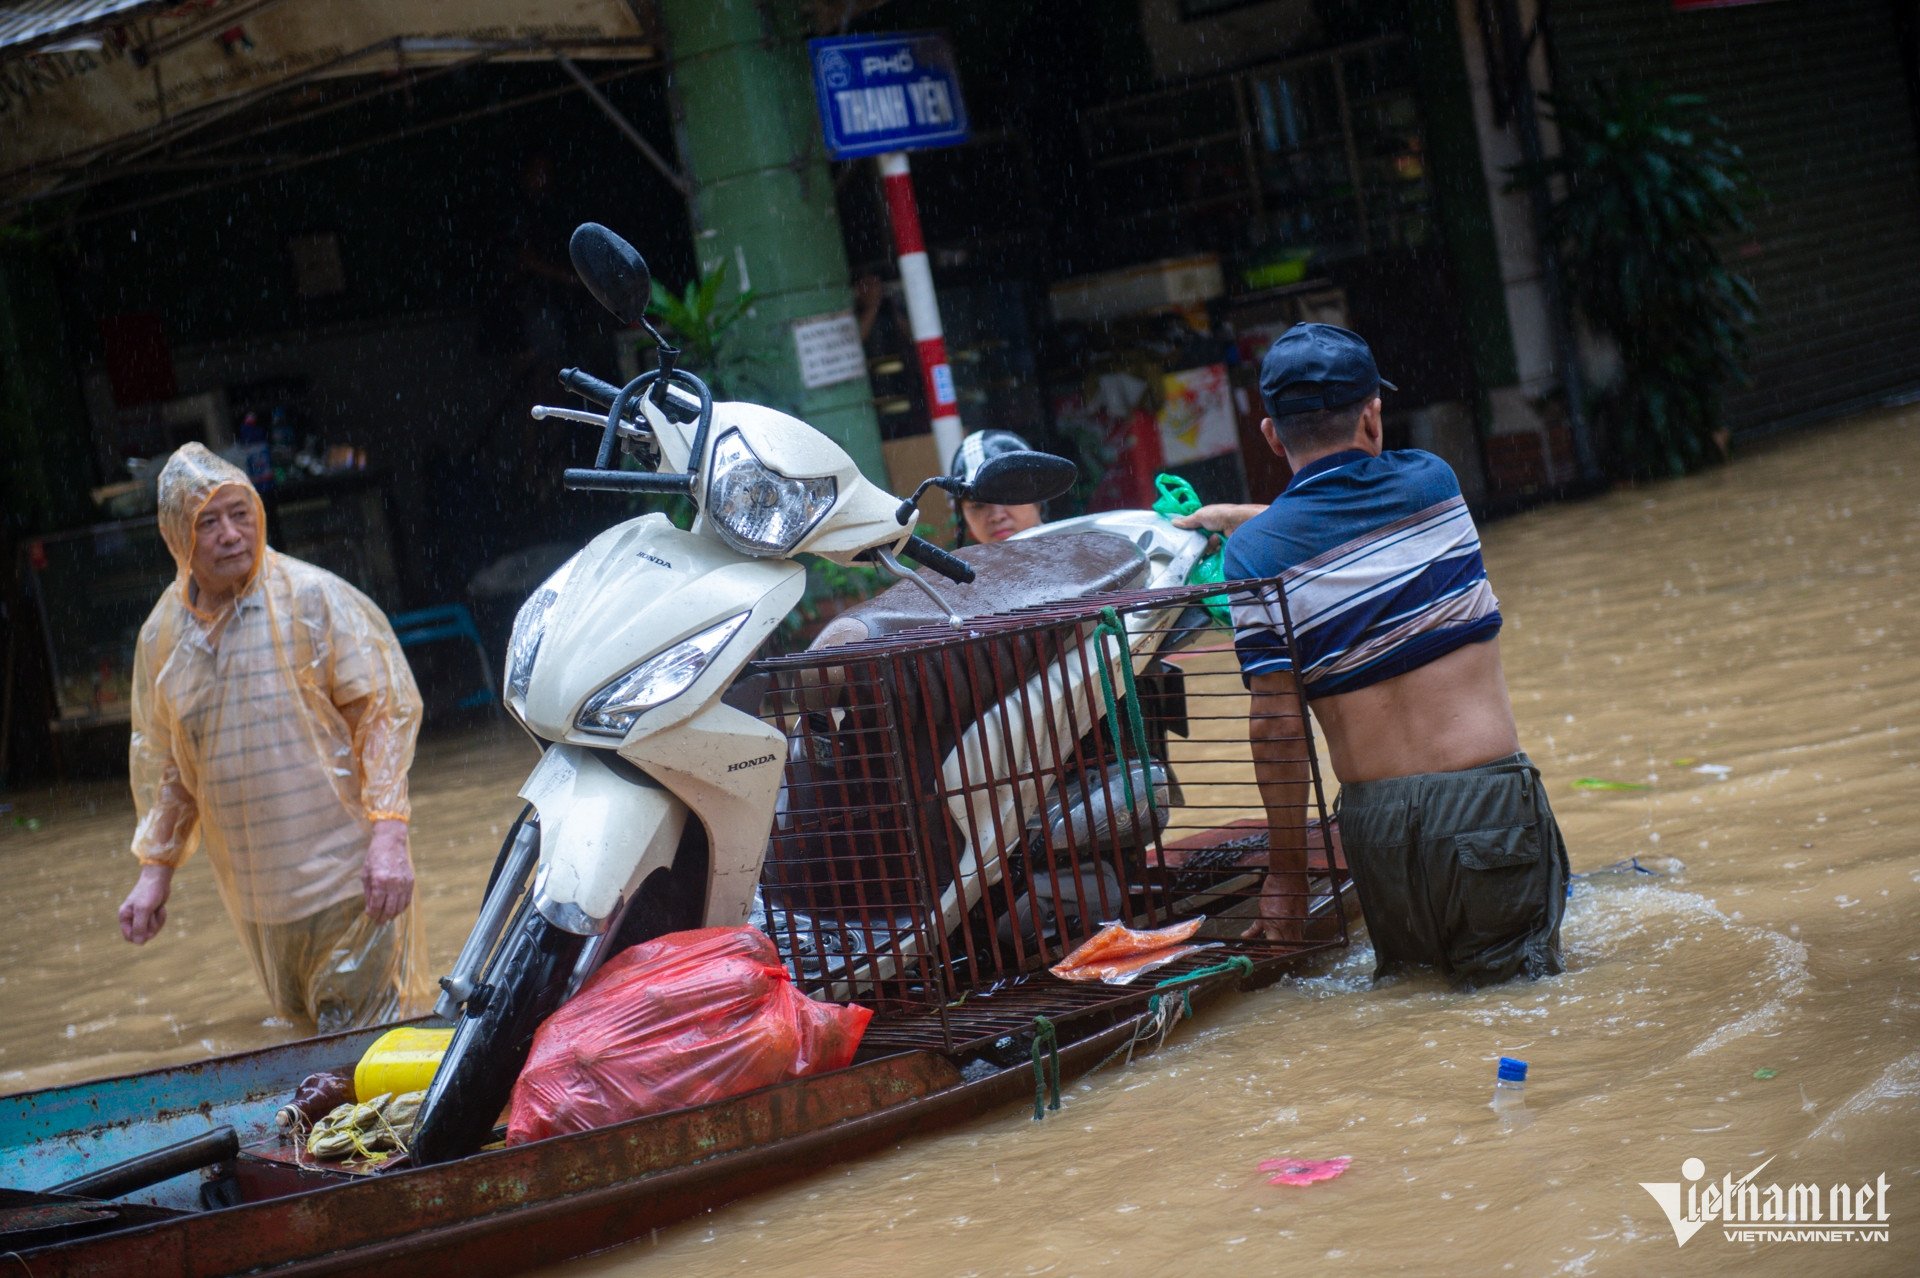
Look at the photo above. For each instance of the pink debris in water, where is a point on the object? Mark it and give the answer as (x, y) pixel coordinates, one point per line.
(1304, 1171)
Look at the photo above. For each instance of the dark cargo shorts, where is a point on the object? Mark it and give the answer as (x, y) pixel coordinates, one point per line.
(1464, 871)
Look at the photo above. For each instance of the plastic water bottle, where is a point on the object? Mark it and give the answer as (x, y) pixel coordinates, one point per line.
(1510, 1093)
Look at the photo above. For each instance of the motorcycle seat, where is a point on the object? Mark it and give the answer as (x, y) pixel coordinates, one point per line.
(1008, 576)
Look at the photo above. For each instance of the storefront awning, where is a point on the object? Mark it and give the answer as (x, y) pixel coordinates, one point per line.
(25, 27)
(89, 91)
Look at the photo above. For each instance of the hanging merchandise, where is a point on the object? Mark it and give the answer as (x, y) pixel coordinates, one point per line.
(687, 1018)
(1196, 418)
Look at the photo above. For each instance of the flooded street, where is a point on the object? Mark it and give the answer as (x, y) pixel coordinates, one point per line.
(1740, 644)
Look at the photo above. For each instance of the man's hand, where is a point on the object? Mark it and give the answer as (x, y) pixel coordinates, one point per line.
(144, 912)
(1220, 518)
(1283, 910)
(388, 874)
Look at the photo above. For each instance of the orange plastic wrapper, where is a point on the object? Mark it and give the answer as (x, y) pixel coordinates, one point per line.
(681, 1020)
(1117, 954)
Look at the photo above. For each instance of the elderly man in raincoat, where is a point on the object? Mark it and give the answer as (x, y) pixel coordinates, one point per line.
(274, 720)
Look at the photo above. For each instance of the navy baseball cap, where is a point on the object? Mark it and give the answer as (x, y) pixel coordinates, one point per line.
(1315, 366)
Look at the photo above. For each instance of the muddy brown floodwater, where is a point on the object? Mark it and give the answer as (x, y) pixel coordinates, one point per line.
(1741, 644)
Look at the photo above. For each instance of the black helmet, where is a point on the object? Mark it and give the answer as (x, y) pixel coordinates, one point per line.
(978, 448)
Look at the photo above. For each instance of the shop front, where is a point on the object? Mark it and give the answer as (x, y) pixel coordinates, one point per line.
(1824, 102)
(1292, 190)
(330, 243)
(1182, 192)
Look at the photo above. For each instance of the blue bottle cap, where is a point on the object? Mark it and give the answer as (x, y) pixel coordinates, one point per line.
(1512, 1071)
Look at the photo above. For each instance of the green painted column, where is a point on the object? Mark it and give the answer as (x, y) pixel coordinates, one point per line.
(749, 141)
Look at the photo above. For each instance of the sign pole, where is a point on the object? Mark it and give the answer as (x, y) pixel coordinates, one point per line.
(923, 308)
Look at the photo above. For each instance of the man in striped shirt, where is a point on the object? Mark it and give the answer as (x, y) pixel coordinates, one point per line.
(1454, 851)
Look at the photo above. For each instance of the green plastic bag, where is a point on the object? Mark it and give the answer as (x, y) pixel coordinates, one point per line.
(1178, 498)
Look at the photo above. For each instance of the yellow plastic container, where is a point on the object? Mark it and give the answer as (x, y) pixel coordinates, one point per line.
(401, 1060)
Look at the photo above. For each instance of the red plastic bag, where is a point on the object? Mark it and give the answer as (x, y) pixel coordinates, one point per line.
(684, 1019)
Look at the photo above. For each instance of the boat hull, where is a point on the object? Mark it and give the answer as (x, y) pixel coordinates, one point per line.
(518, 1208)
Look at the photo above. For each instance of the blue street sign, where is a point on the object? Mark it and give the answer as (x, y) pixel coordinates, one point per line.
(887, 93)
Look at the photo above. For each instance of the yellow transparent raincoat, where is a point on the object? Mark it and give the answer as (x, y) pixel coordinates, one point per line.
(274, 733)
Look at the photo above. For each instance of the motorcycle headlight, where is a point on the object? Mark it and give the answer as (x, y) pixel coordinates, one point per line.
(759, 511)
(658, 679)
(529, 627)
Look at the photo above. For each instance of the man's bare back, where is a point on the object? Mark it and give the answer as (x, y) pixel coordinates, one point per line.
(1448, 715)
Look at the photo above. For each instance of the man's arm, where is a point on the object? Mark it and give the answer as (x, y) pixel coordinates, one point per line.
(372, 687)
(1278, 735)
(386, 877)
(1221, 518)
(167, 816)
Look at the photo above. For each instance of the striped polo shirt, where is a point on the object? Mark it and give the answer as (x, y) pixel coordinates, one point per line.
(1381, 565)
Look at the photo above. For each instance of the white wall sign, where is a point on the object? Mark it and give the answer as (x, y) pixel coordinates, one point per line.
(829, 349)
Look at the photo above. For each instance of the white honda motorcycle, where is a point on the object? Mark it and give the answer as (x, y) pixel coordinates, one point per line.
(650, 807)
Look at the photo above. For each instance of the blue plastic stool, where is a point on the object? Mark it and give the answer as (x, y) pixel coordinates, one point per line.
(449, 621)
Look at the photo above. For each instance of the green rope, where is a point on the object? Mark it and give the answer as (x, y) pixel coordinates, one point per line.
(1238, 963)
(1186, 1005)
(1046, 1074)
(1154, 1025)
(1111, 624)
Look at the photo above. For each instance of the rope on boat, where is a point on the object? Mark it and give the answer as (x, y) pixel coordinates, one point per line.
(1046, 1074)
(1237, 963)
(374, 1130)
(1164, 1013)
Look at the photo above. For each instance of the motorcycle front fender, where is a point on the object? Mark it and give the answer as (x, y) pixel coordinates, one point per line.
(602, 832)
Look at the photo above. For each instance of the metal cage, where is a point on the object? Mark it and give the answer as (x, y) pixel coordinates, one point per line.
(964, 806)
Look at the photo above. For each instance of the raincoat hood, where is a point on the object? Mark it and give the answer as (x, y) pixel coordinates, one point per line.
(187, 483)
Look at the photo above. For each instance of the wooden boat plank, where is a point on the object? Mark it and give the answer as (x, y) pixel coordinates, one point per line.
(344, 1220)
(620, 1212)
(51, 1136)
(509, 1210)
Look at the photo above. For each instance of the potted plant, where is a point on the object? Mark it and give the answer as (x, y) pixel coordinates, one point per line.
(702, 322)
(1644, 189)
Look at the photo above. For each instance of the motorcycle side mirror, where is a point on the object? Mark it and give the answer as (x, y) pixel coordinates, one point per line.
(1020, 478)
(613, 271)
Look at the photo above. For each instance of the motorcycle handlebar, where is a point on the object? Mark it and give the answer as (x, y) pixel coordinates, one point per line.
(588, 387)
(587, 479)
(952, 567)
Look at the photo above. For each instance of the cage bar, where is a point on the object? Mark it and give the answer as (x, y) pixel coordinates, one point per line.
(963, 807)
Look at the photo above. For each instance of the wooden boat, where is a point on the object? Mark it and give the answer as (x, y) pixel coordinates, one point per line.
(500, 1211)
(969, 1016)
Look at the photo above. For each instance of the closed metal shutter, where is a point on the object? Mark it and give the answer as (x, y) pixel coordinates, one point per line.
(1814, 93)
